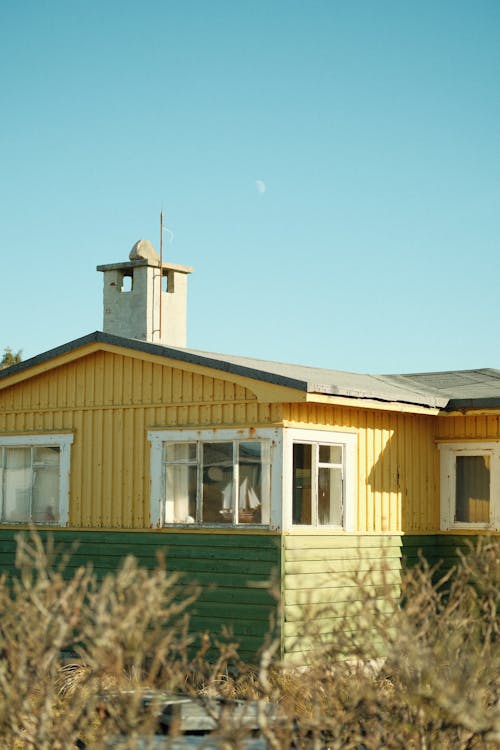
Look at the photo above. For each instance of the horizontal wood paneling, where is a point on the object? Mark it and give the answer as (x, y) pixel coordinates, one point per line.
(225, 565)
(321, 583)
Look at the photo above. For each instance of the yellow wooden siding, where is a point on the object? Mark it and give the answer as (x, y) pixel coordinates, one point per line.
(468, 427)
(398, 464)
(108, 402)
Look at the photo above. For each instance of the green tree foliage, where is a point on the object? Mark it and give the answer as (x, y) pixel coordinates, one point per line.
(10, 358)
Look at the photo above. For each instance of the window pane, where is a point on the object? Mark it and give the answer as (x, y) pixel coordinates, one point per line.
(473, 489)
(330, 454)
(17, 485)
(254, 470)
(45, 485)
(204, 481)
(180, 493)
(217, 491)
(302, 478)
(330, 510)
(179, 452)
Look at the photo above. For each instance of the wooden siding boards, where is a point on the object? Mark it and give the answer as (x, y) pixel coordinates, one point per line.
(109, 401)
(398, 464)
(468, 427)
(225, 566)
(320, 574)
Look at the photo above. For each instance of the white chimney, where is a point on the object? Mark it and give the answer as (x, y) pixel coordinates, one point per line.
(145, 299)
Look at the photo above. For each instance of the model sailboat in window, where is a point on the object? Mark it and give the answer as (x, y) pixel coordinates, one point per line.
(248, 502)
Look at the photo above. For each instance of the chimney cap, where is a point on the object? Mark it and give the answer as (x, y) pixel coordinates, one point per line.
(144, 250)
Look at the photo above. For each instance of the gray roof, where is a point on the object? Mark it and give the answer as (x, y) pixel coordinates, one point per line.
(450, 390)
(465, 389)
(329, 382)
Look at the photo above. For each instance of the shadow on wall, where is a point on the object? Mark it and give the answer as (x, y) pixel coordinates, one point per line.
(404, 484)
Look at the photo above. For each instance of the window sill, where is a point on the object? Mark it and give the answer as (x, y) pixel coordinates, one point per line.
(217, 526)
(470, 527)
(30, 524)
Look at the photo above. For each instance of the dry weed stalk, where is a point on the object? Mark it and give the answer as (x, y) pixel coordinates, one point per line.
(417, 671)
(127, 632)
(421, 670)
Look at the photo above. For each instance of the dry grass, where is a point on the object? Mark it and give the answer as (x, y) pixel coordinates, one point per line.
(435, 687)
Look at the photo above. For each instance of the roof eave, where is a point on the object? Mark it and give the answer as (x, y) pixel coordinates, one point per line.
(231, 368)
(466, 404)
(417, 399)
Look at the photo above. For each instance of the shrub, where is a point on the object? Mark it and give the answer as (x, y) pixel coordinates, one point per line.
(419, 672)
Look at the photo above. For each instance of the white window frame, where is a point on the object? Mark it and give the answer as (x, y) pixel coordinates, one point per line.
(448, 476)
(349, 442)
(63, 442)
(158, 437)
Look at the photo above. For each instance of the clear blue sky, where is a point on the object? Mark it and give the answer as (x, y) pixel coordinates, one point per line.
(374, 128)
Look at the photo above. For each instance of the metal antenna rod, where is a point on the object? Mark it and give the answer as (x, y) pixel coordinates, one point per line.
(161, 272)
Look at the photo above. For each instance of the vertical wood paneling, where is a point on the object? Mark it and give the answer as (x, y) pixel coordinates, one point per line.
(88, 469)
(128, 446)
(89, 370)
(157, 383)
(76, 474)
(99, 378)
(492, 426)
(116, 469)
(137, 463)
(208, 389)
(109, 401)
(25, 422)
(218, 390)
(137, 381)
(147, 380)
(176, 386)
(362, 477)
(187, 387)
(96, 499)
(197, 387)
(43, 394)
(471, 427)
(216, 412)
(397, 465)
(107, 476)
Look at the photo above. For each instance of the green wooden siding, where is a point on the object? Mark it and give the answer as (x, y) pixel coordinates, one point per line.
(225, 565)
(414, 545)
(318, 573)
(442, 549)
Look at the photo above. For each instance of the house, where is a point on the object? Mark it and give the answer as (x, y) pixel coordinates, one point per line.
(129, 442)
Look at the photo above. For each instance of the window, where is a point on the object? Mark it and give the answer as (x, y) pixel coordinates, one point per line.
(470, 485)
(322, 480)
(211, 477)
(34, 479)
